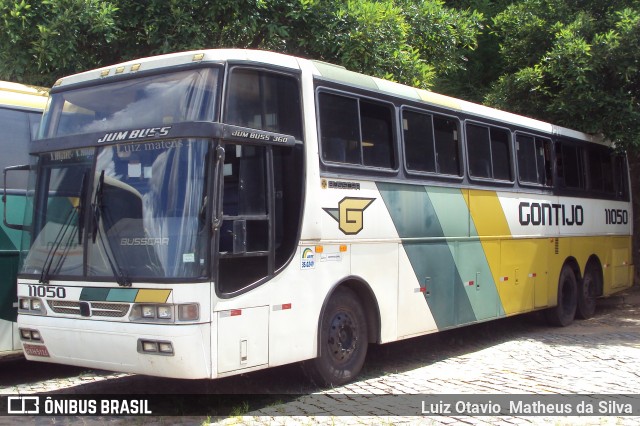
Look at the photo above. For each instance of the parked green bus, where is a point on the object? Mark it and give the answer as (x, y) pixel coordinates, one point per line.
(21, 108)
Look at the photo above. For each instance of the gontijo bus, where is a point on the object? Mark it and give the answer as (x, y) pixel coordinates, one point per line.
(20, 111)
(210, 213)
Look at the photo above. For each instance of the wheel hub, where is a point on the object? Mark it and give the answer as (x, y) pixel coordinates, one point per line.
(342, 337)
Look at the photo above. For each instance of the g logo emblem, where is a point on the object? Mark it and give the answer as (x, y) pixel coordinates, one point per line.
(350, 214)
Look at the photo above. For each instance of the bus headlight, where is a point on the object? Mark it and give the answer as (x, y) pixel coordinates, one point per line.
(31, 305)
(163, 313)
(148, 311)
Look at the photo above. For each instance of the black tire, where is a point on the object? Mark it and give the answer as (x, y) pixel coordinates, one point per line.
(343, 341)
(563, 314)
(587, 291)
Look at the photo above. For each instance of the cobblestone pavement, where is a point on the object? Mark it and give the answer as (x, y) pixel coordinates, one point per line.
(597, 356)
(519, 355)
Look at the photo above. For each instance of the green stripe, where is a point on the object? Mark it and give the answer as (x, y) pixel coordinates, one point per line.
(470, 257)
(448, 261)
(414, 216)
(94, 294)
(122, 295)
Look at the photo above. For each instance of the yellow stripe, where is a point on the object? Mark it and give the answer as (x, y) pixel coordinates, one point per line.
(152, 296)
(487, 214)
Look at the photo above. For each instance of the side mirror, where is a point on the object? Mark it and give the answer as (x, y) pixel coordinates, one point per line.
(4, 196)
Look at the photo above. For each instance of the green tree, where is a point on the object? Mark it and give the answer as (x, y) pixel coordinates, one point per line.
(404, 40)
(572, 63)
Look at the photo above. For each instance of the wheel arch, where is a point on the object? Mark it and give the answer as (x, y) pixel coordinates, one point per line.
(573, 264)
(594, 261)
(367, 299)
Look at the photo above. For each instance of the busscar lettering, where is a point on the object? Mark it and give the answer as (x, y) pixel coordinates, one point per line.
(545, 214)
(135, 134)
(144, 241)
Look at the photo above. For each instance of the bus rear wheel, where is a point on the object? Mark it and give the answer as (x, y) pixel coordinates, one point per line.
(564, 312)
(587, 292)
(343, 341)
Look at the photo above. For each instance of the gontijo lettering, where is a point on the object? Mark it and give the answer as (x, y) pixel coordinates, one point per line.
(537, 214)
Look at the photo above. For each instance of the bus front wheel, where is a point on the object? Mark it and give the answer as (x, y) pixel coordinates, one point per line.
(343, 341)
(563, 313)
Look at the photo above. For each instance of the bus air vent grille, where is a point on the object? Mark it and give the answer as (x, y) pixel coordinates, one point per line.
(115, 310)
(64, 307)
(98, 309)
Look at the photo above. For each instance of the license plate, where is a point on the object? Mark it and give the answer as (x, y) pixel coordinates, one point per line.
(36, 350)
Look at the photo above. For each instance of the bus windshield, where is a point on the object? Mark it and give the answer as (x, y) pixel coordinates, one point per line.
(135, 103)
(128, 218)
(132, 211)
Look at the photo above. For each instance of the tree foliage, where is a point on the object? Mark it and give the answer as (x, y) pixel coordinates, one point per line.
(572, 63)
(403, 40)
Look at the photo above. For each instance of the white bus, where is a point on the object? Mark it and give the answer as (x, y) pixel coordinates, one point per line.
(20, 113)
(210, 213)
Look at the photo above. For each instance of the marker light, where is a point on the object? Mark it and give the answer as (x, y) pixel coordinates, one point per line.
(149, 346)
(188, 312)
(31, 305)
(31, 335)
(165, 347)
(155, 347)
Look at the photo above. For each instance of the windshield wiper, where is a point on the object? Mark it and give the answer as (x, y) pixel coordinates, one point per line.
(76, 211)
(48, 261)
(98, 212)
(81, 209)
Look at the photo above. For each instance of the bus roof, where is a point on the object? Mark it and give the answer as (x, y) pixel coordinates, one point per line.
(23, 96)
(329, 72)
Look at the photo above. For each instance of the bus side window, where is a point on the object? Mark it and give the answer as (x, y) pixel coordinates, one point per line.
(431, 143)
(534, 166)
(479, 151)
(447, 145)
(264, 100)
(621, 181)
(500, 154)
(573, 167)
(356, 131)
(339, 129)
(16, 135)
(418, 141)
(377, 139)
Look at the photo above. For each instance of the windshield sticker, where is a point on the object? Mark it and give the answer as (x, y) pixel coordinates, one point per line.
(134, 170)
(188, 257)
(308, 259)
